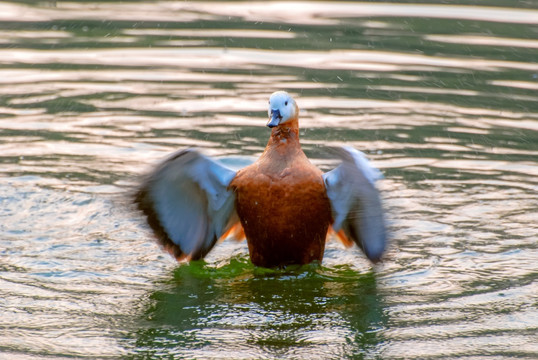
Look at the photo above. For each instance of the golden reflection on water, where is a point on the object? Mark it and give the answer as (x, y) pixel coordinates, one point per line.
(218, 58)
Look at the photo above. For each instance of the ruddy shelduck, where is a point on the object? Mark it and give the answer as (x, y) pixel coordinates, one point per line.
(282, 203)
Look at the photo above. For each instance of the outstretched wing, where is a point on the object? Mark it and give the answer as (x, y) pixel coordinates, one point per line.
(188, 204)
(355, 202)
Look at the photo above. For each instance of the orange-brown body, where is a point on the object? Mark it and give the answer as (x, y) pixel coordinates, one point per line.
(282, 203)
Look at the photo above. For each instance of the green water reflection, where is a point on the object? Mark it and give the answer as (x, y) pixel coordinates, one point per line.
(304, 311)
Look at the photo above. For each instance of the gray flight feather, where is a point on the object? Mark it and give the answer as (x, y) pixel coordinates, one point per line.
(187, 203)
(355, 202)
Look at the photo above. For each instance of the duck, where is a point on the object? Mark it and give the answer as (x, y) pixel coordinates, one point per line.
(283, 205)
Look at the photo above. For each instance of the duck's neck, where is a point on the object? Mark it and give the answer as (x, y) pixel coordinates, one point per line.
(283, 144)
(287, 133)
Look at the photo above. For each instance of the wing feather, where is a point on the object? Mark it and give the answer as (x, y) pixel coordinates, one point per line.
(187, 203)
(355, 202)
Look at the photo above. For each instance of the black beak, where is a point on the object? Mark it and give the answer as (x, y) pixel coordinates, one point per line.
(275, 118)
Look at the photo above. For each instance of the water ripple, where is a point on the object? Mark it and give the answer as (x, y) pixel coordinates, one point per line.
(441, 97)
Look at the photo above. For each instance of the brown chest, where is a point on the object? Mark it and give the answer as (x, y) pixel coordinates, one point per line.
(285, 218)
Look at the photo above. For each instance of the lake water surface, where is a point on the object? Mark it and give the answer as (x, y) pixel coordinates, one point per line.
(442, 97)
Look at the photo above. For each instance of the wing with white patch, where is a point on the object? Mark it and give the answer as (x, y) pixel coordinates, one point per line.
(355, 202)
(188, 204)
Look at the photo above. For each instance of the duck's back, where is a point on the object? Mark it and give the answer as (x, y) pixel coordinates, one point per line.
(284, 210)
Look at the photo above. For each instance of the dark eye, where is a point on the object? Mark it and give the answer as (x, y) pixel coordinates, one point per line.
(286, 103)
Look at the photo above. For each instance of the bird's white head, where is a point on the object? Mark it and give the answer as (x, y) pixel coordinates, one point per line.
(282, 109)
